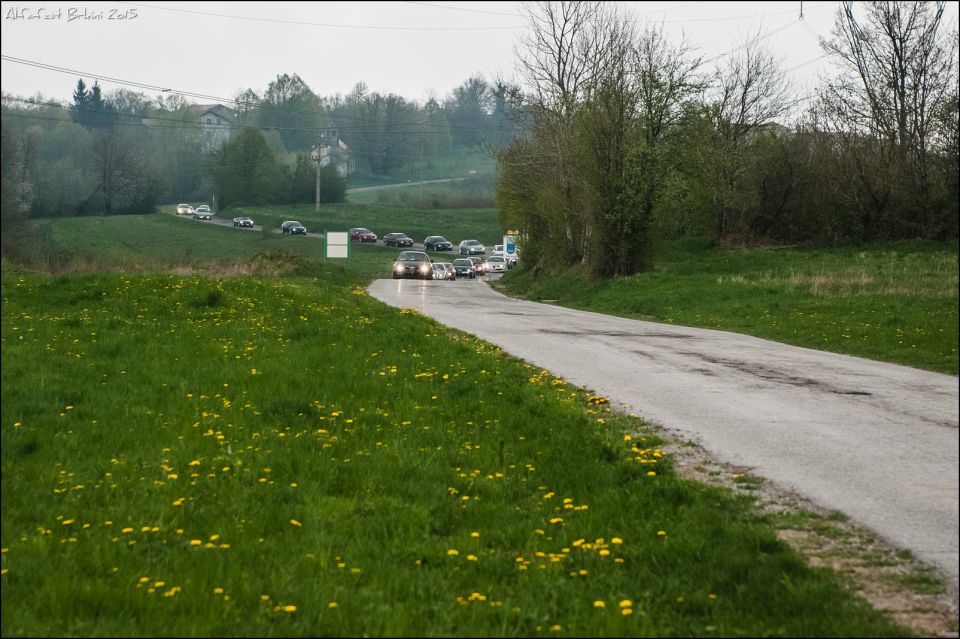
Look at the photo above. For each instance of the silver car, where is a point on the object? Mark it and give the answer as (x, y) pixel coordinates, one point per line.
(495, 264)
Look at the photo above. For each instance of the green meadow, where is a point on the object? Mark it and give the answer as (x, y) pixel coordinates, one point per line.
(192, 455)
(209, 431)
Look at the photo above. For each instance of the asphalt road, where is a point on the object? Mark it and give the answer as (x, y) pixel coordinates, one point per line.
(877, 442)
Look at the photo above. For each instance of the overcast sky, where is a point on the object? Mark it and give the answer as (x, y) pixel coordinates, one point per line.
(415, 49)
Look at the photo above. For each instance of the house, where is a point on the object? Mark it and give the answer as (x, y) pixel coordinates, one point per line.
(337, 156)
(216, 125)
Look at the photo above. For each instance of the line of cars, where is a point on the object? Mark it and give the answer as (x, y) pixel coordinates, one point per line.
(419, 265)
(202, 212)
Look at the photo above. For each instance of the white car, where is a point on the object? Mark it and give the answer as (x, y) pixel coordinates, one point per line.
(495, 264)
(185, 209)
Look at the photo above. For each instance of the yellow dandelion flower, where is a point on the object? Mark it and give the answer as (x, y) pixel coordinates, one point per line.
(474, 534)
(711, 596)
(67, 522)
(471, 557)
(453, 552)
(332, 604)
(556, 520)
(127, 530)
(295, 522)
(218, 591)
(626, 611)
(599, 604)
(195, 542)
(626, 603)
(661, 533)
(290, 608)
(264, 597)
(616, 540)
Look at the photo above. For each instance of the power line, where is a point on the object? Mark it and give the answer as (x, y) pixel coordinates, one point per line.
(441, 6)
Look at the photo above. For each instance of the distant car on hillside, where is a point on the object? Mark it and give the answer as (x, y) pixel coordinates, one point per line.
(362, 235)
(184, 209)
(293, 228)
(243, 222)
(472, 247)
(437, 243)
(397, 239)
(203, 213)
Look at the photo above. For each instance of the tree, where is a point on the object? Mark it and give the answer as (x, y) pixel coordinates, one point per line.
(467, 112)
(289, 106)
(897, 72)
(749, 93)
(124, 178)
(81, 100)
(245, 171)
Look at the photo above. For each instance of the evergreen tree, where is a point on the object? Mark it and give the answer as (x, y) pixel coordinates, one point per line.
(81, 102)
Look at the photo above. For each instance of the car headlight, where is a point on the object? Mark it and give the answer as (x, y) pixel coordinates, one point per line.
(398, 268)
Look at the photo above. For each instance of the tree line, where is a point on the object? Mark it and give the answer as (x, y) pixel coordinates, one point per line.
(629, 137)
(122, 152)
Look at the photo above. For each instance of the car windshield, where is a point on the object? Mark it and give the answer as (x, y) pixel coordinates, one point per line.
(412, 257)
(495, 258)
(363, 230)
(462, 263)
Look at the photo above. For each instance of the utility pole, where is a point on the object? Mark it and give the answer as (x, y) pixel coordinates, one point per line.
(315, 155)
(324, 142)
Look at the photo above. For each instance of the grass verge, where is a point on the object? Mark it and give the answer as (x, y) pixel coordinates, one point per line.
(894, 303)
(273, 457)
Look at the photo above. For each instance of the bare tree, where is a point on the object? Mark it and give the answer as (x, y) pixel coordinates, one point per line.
(897, 71)
(750, 92)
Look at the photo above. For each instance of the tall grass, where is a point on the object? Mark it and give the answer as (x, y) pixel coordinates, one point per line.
(265, 456)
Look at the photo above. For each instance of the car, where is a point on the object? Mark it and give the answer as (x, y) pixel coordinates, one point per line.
(244, 222)
(437, 243)
(203, 208)
(184, 209)
(444, 271)
(362, 235)
(478, 266)
(397, 239)
(464, 268)
(495, 264)
(416, 264)
(201, 214)
(472, 247)
(293, 228)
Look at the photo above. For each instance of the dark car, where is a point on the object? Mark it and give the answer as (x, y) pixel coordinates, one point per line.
(244, 222)
(293, 228)
(464, 268)
(437, 243)
(397, 239)
(414, 264)
(362, 235)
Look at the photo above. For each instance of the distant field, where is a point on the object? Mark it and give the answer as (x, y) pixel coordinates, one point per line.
(266, 456)
(895, 303)
(433, 170)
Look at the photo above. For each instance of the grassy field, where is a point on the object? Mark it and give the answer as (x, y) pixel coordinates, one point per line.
(459, 166)
(185, 455)
(895, 303)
